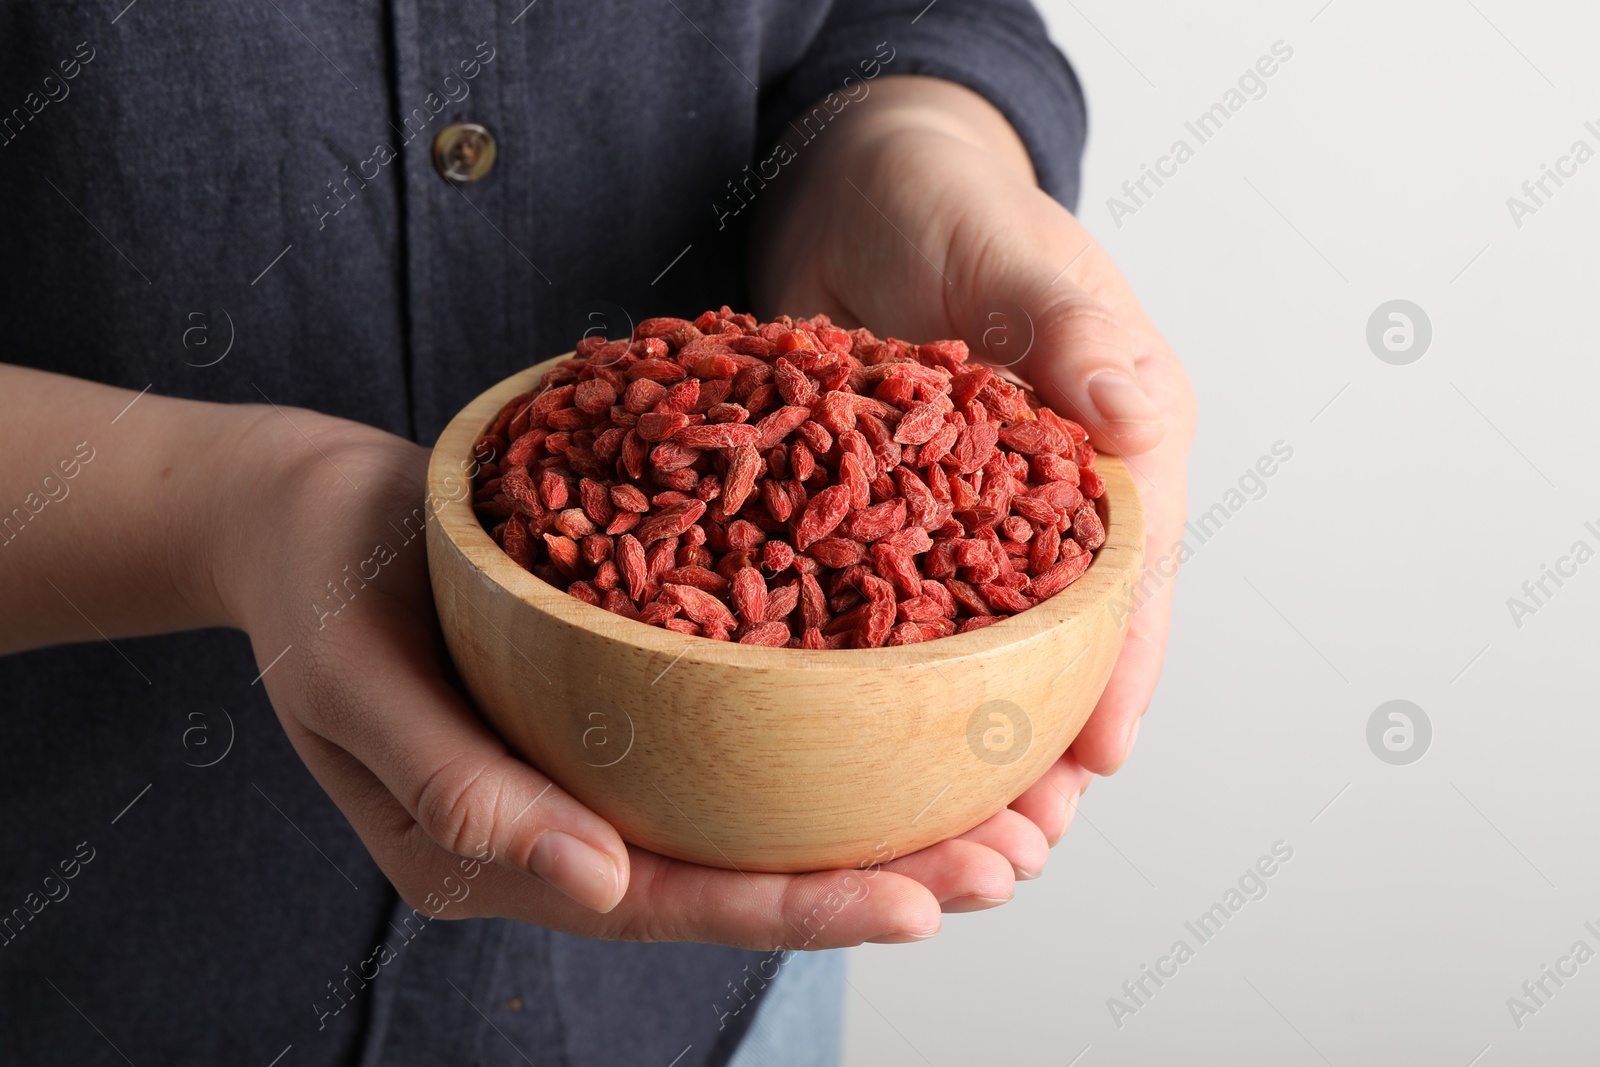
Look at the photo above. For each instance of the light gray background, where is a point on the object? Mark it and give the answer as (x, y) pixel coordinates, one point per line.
(1416, 503)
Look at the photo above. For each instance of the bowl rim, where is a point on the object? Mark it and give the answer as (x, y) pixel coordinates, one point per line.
(1114, 568)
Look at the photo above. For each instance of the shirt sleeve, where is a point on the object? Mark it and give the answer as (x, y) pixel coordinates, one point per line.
(997, 48)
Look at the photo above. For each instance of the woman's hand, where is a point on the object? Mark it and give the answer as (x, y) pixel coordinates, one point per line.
(320, 565)
(916, 213)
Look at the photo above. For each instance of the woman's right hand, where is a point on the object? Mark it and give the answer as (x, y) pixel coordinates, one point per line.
(360, 680)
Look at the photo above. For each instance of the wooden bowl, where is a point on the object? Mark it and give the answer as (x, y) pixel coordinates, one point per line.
(769, 759)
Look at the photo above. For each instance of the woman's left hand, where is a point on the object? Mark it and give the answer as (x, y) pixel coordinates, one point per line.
(916, 213)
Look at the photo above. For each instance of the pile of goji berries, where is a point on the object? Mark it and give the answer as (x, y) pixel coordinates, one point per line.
(790, 484)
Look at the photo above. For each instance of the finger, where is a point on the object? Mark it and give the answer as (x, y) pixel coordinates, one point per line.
(961, 875)
(667, 900)
(677, 901)
(1015, 837)
(1020, 311)
(1051, 801)
(397, 715)
(1107, 738)
(429, 878)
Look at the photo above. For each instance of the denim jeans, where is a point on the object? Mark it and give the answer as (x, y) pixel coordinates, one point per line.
(798, 1021)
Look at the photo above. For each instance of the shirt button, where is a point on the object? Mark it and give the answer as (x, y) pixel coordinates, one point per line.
(463, 152)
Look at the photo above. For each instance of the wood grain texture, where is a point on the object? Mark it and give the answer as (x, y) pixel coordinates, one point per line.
(765, 759)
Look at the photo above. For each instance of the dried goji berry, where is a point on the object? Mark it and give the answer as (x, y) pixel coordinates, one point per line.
(938, 447)
(1045, 548)
(877, 521)
(657, 370)
(776, 556)
(920, 609)
(629, 498)
(802, 461)
(813, 604)
(781, 600)
(1087, 529)
(761, 398)
(596, 501)
(525, 449)
(906, 633)
(913, 540)
(1062, 495)
(595, 396)
(595, 549)
(631, 562)
(516, 542)
(919, 424)
(854, 479)
(1037, 510)
(660, 425)
(776, 500)
(670, 457)
(698, 576)
(874, 631)
(1034, 438)
(697, 604)
(1090, 482)
(681, 397)
(1058, 577)
(815, 435)
(744, 465)
(771, 634)
(1017, 529)
(749, 595)
(1049, 468)
(641, 395)
(618, 603)
(898, 567)
(634, 451)
(553, 490)
(822, 514)
(702, 456)
(670, 521)
(717, 435)
(795, 388)
(1003, 598)
(563, 553)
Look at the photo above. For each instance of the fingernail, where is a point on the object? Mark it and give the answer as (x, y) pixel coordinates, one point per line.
(1119, 400)
(973, 903)
(1022, 875)
(1127, 748)
(579, 870)
(904, 938)
(1069, 806)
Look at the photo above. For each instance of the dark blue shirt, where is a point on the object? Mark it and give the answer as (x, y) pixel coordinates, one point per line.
(237, 199)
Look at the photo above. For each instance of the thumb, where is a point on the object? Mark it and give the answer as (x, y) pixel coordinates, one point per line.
(1068, 345)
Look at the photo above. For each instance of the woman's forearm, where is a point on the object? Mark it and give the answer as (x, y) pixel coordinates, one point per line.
(116, 507)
